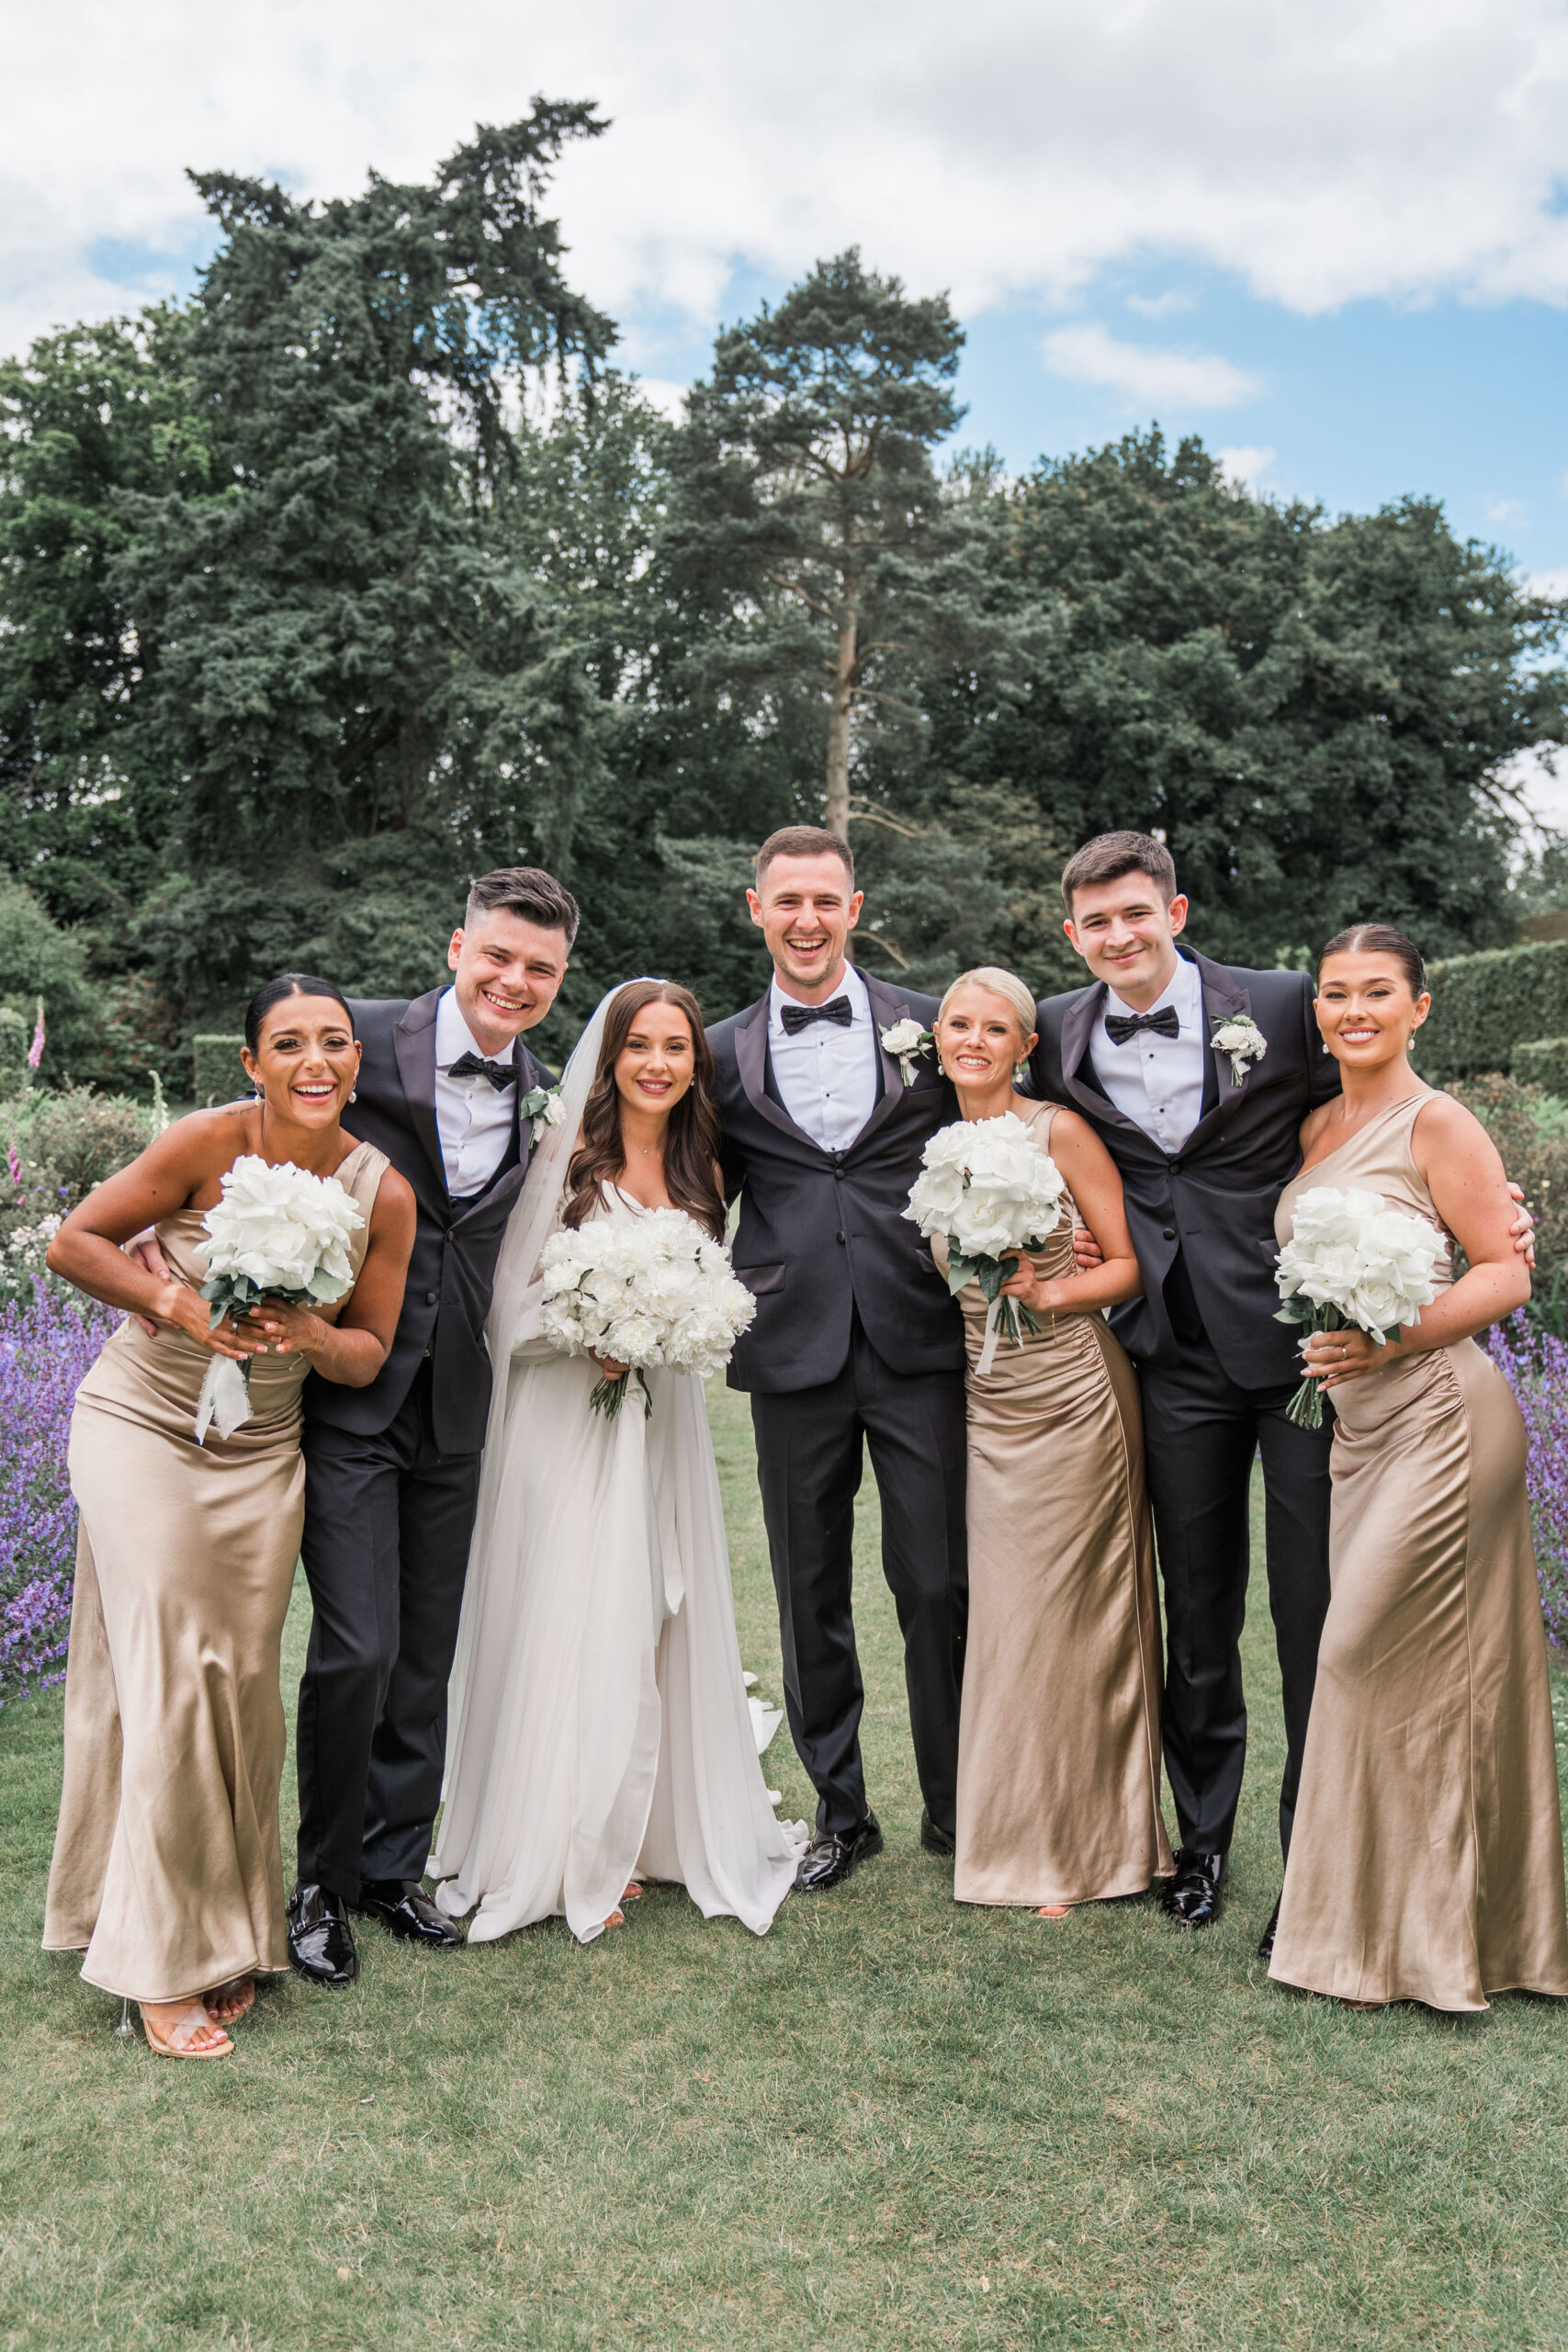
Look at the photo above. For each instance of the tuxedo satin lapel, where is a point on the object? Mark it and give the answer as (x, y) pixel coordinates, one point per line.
(1223, 1000)
(751, 1065)
(414, 1045)
(886, 1007)
(1078, 1030)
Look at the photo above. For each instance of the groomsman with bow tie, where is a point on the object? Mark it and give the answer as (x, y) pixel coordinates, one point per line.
(392, 1470)
(856, 1343)
(1197, 1077)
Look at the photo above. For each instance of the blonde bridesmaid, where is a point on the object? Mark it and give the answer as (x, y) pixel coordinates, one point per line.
(1427, 1862)
(167, 1873)
(1058, 1755)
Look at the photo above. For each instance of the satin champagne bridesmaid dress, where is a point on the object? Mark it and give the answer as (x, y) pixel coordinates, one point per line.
(1427, 1859)
(167, 1871)
(1059, 1751)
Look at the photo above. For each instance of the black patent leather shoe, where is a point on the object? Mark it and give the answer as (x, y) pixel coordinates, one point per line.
(1191, 1898)
(404, 1909)
(320, 1941)
(830, 1859)
(935, 1841)
(1266, 1940)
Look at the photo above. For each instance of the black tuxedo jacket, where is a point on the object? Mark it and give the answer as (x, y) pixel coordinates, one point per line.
(452, 1271)
(1213, 1201)
(821, 1232)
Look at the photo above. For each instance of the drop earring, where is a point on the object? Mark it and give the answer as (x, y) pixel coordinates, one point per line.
(353, 1094)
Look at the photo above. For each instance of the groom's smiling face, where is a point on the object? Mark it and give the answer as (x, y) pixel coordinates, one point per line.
(805, 909)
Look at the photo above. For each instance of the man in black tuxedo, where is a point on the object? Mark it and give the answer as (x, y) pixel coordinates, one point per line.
(392, 1470)
(1203, 1153)
(856, 1339)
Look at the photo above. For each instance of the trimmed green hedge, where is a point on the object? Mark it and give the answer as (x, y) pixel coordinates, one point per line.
(217, 1073)
(1543, 1062)
(1485, 1007)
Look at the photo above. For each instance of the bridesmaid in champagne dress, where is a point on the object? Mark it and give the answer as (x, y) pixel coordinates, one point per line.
(1426, 1860)
(168, 1873)
(1058, 1755)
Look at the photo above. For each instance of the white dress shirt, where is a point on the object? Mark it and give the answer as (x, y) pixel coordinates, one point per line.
(473, 1118)
(1158, 1082)
(826, 1075)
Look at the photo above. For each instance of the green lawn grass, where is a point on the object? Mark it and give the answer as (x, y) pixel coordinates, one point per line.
(889, 2122)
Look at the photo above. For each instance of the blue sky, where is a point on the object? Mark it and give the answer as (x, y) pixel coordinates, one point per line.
(1333, 241)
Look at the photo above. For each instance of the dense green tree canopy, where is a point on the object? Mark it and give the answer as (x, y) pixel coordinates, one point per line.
(363, 571)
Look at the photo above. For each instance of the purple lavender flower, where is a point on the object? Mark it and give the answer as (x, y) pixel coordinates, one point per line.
(47, 1345)
(1535, 1366)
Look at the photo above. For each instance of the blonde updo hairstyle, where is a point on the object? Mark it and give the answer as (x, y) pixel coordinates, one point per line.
(1007, 986)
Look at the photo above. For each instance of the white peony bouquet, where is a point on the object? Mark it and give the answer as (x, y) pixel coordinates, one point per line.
(652, 1292)
(1353, 1264)
(276, 1233)
(987, 1188)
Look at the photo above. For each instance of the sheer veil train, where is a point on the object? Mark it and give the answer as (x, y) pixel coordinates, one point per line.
(600, 1728)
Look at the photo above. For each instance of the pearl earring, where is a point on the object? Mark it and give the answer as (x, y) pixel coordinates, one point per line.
(353, 1094)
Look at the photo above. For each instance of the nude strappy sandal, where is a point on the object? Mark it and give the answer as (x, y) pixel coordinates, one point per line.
(178, 2038)
(237, 1995)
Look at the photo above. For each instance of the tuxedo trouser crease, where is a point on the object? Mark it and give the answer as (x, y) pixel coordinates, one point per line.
(388, 1523)
(1202, 1434)
(809, 1460)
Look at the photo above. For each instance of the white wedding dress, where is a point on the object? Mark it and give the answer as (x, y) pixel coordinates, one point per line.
(600, 1725)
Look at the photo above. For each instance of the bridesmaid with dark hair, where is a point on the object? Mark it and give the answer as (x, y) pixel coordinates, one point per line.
(167, 1872)
(1426, 1860)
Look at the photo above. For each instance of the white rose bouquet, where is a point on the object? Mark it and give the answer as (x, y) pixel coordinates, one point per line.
(276, 1233)
(1352, 1264)
(987, 1188)
(654, 1292)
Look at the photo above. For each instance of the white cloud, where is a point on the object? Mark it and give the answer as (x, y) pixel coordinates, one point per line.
(1248, 468)
(1548, 583)
(1158, 306)
(1507, 510)
(1144, 378)
(1394, 149)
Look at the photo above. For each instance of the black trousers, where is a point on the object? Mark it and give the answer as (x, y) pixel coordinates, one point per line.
(1200, 1435)
(809, 1460)
(386, 1547)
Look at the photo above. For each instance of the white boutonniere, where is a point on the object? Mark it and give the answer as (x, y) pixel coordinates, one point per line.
(542, 1107)
(1243, 1042)
(905, 1040)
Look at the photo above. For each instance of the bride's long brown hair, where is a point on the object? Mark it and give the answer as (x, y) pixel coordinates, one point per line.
(691, 1137)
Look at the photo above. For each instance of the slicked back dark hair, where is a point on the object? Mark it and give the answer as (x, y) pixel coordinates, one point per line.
(286, 984)
(528, 892)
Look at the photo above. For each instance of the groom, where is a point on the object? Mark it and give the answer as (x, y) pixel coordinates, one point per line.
(856, 1341)
(392, 1470)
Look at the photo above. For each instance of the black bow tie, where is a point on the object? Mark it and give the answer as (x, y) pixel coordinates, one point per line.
(801, 1016)
(1119, 1026)
(500, 1074)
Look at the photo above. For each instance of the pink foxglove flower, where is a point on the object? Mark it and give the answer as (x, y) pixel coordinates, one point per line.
(34, 1051)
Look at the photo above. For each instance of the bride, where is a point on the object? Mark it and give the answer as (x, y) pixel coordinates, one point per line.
(601, 1733)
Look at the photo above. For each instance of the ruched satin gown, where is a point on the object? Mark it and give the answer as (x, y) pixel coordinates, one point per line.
(167, 1869)
(1427, 1859)
(1059, 1751)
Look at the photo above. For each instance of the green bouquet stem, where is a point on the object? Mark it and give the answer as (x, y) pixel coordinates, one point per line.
(609, 1395)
